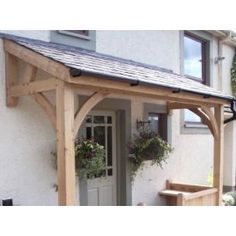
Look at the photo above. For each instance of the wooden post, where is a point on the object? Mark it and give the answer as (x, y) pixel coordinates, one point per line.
(65, 145)
(218, 153)
(11, 78)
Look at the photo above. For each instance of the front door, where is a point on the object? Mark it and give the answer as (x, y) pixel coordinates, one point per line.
(102, 190)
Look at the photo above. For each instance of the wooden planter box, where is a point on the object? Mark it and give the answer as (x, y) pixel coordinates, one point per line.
(180, 194)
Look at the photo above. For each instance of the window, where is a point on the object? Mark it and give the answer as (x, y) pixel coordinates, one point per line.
(195, 67)
(195, 58)
(77, 33)
(158, 124)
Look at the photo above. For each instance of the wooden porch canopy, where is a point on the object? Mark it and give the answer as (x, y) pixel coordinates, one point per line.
(72, 68)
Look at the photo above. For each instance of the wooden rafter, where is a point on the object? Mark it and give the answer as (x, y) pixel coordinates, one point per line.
(94, 99)
(47, 106)
(179, 105)
(48, 65)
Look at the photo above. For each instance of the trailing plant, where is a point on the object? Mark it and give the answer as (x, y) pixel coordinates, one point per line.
(147, 145)
(89, 158)
(233, 76)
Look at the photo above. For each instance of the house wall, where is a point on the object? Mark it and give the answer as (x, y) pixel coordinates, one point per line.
(28, 175)
(26, 141)
(34, 34)
(192, 159)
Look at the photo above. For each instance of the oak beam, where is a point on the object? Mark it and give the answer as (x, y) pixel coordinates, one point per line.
(218, 154)
(33, 87)
(11, 78)
(204, 118)
(212, 119)
(47, 106)
(94, 99)
(179, 105)
(29, 73)
(111, 86)
(65, 145)
(29, 56)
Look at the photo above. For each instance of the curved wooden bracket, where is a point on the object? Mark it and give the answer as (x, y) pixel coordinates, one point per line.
(46, 105)
(212, 119)
(94, 99)
(208, 119)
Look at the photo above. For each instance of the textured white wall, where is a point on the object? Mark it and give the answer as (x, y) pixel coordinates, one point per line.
(26, 140)
(35, 34)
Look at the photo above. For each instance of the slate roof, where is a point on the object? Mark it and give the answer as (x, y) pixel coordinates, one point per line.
(109, 67)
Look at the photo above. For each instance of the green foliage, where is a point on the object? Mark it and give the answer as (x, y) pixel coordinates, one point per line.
(233, 76)
(147, 145)
(89, 158)
(210, 177)
(229, 199)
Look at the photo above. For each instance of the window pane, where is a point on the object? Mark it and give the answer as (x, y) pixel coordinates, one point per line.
(99, 119)
(192, 57)
(99, 135)
(109, 172)
(88, 132)
(109, 119)
(191, 117)
(109, 146)
(88, 119)
(154, 122)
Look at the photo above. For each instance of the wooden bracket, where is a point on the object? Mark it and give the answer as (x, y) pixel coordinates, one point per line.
(94, 99)
(47, 106)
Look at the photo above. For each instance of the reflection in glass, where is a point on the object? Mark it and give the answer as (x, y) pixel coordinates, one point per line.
(154, 122)
(191, 117)
(99, 119)
(88, 132)
(99, 135)
(88, 119)
(192, 57)
(109, 119)
(109, 146)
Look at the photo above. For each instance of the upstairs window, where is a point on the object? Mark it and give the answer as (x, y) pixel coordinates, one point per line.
(195, 67)
(195, 58)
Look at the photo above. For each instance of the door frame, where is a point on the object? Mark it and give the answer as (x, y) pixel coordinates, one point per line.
(114, 150)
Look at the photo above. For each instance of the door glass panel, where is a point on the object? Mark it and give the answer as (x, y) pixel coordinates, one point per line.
(99, 119)
(109, 171)
(88, 132)
(109, 119)
(88, 119)
(99, 135)
(109, 146)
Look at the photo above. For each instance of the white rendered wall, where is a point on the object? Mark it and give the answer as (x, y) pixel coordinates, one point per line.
(34, 34)
(26, 140)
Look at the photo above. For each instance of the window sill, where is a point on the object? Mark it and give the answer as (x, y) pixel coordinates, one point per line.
(74, 35)
(196, 125)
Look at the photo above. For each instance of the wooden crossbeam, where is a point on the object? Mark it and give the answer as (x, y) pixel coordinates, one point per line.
(48, 65)
(178, 105)
(111, 86)
(94, 99)
(33, 87)
(47, 106)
